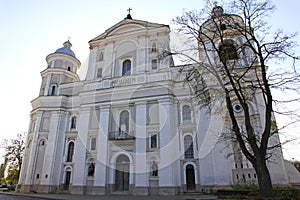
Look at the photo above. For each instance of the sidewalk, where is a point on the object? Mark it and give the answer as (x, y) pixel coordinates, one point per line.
(111, 197)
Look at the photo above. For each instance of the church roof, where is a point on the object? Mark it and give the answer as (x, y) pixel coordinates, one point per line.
(127, 21)
(66, 49)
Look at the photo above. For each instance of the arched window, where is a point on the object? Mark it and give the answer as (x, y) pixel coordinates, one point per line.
(42, 143)
(227, 51)
(73, 122)
(188, 147)
(186, 113)
(124, 122)
(70, 152)
(53, 90)
(69, 68)
(126, 68)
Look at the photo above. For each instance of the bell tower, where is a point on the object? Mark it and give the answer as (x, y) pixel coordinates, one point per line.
(62, 68)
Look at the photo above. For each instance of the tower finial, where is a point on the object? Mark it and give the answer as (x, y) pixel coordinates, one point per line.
(215, 3)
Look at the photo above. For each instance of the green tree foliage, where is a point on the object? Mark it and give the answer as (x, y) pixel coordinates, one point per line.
(14, 150)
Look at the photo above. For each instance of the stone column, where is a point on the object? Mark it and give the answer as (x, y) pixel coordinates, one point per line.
(141, 174)
(168, 148)
(79, 156)
(101, 163)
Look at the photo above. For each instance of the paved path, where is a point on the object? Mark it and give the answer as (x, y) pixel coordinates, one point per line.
(96, 197)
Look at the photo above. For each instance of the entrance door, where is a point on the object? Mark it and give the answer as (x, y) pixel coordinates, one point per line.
(122, 173)
(190, 177)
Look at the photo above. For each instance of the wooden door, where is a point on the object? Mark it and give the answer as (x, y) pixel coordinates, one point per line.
(122, 174)
(190, 177)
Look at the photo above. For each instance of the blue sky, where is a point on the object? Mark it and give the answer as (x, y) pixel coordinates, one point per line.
(32, 29)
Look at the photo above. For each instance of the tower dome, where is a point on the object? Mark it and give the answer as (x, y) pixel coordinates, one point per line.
(66, 49)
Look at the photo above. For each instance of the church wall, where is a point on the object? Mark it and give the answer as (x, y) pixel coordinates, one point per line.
(154, 98)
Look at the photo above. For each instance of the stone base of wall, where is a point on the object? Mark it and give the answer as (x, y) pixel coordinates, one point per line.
(153, 189)
(23, 188)
(166, 191)
(76, 189)
(98, 190)
(141, 191)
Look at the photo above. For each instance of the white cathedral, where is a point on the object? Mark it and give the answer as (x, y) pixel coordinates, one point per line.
(131, 126)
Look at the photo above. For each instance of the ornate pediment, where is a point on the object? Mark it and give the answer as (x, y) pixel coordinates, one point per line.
(127, 26)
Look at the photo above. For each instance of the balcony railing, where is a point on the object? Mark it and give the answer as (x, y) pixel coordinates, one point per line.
(120, 135)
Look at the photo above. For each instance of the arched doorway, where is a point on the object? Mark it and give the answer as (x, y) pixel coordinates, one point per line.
(190, 177)
(122, 173)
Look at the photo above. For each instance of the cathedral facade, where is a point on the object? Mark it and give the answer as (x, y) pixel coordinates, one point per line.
(131, 126)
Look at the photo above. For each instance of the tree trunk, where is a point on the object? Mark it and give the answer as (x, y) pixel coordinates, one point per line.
(263, 177)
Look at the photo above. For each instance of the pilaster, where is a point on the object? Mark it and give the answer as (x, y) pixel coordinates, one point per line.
(54, 149)
(168, 143)
(33, 151)
(101, 163)
(141, 174)
(79, 171)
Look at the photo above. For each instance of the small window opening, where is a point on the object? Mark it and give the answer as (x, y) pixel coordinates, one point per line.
(223, 27)
(53, 90)
(99, 73)
(154, 64)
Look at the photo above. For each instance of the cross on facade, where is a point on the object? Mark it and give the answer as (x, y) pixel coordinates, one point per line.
(129, 9)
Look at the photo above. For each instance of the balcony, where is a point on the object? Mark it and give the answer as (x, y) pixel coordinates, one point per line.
(120, 135)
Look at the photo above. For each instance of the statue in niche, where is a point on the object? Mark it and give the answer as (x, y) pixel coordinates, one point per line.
(91, 169)
(154, 169)
(100, 57)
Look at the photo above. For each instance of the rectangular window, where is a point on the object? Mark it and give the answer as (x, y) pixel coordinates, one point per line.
(93, 144)
(153, 141)
(154, 64)
(99, 73)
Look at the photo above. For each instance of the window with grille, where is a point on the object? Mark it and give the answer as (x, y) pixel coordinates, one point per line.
(153, 141)
(188, 147)
(186, 113)
(99, 73)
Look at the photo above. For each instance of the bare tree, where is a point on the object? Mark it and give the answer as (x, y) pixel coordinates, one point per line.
(14, 154)
(234, 51)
